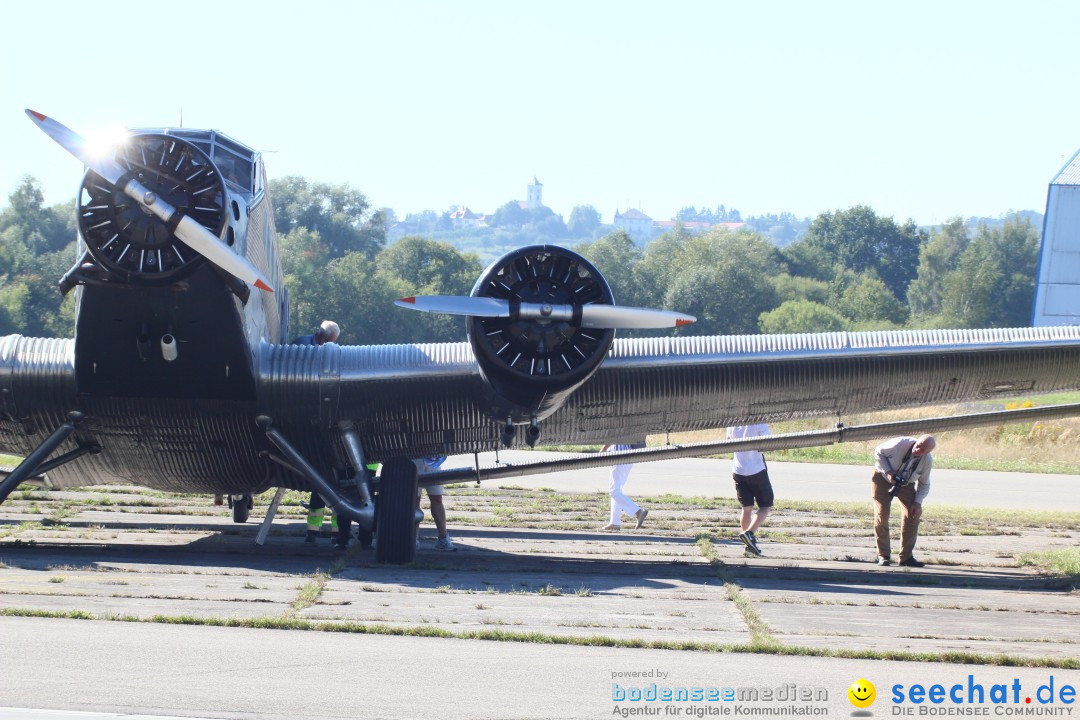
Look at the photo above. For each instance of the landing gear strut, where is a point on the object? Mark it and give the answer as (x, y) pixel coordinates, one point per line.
(35, 462)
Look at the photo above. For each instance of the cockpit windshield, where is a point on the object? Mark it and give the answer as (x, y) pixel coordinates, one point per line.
(235, 161)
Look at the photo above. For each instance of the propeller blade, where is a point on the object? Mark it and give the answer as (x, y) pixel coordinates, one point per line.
(592, 316)
(207, 244)
(71, 141)
(631, 318)
(457, 305)
(188, 231)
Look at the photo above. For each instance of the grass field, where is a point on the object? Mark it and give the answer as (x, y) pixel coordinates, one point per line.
(1040, 447)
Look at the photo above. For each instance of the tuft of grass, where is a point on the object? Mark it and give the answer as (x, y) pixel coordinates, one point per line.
(1064, 562)
(21, 527)
(59, 515)
(310, 592)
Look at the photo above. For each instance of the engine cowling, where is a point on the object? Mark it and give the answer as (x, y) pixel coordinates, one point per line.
(531, 365)
(130, 243)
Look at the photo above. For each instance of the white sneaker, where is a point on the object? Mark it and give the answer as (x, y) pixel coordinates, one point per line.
(445, 544)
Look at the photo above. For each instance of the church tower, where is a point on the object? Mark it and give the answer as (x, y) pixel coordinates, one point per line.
(535, 190)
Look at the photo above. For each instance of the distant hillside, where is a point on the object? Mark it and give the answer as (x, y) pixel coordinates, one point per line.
(972, 224)
(781, 228)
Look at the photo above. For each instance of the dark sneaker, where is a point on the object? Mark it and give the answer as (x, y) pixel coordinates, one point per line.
(883, 561)
(912, 562)
(310, 537)
(751, 542)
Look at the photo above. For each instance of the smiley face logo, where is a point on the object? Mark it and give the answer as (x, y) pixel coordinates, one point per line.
(862, 693)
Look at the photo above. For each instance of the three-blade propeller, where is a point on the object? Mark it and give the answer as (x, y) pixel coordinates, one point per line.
(188, 231)
(592, 316)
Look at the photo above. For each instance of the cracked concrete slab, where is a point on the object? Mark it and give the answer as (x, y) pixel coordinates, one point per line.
(550, 574)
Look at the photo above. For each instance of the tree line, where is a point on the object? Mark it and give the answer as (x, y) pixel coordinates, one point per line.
(851, 270)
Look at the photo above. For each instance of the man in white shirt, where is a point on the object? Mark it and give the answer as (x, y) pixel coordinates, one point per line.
(902, 470)
(751, 485)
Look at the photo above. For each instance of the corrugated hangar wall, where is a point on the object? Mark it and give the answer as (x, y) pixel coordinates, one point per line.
(1057, 286)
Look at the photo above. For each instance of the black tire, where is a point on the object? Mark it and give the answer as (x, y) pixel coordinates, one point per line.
(241, 508)
(395, 513)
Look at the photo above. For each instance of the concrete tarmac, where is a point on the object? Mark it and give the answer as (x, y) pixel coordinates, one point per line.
(274, 675)
(584, 617)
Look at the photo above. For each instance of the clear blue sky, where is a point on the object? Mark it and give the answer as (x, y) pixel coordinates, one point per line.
(918, 109)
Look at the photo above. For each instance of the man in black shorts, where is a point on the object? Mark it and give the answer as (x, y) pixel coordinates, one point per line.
(751, 485)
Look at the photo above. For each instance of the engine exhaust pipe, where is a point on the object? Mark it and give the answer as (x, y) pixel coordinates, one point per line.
(168, 347)
(532, 434)
(509, 432)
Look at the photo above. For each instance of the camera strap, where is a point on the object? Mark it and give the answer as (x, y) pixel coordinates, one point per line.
(900, 476)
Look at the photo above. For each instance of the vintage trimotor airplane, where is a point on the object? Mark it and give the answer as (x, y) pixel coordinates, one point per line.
(180, 377)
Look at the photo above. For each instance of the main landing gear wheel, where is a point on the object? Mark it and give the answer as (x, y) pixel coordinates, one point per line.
(241, 507)
(395, 513)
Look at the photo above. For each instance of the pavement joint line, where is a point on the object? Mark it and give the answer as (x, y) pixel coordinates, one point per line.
(964, 658)
(761, 635)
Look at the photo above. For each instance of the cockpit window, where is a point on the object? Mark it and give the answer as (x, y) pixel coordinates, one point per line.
(235, 169)
(235, 161)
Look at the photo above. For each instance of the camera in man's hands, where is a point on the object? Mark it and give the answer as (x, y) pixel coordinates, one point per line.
(899, 481)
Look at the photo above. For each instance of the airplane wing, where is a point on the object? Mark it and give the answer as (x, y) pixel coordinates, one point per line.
(431, 399)
(424, 399)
